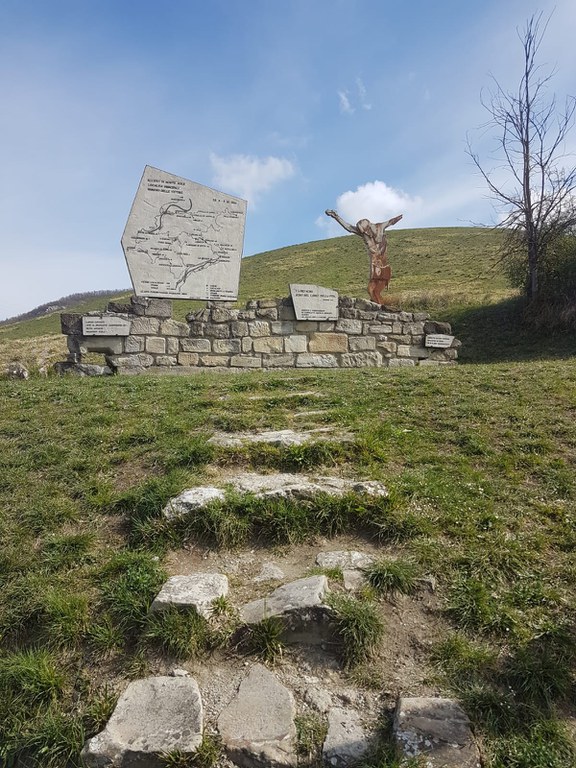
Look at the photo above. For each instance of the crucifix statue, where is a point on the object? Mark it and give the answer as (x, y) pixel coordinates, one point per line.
(374, 237)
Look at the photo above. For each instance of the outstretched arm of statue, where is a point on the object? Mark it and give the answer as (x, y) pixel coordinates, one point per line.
(347, 227)
(395, 220)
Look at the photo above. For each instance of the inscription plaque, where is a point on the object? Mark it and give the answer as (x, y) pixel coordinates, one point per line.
(313, 302)
(105, 325)
(439, 340)
(183, 240)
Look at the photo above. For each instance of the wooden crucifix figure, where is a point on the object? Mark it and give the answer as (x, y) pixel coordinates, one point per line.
(374, 237)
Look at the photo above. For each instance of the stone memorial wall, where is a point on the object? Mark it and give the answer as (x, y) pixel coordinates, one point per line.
(141, 336)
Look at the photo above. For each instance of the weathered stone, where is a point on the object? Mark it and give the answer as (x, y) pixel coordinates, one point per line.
(217, 331)
(134, 344)
(195, 345)
(247, 344)
(166, 360)
(130, 361)
(215, 361)
(157, 307)
(196, 328)
(387, 317)
(107, 345)
(120, 308)
(378, 328)
(227, 346)
(432, 326)
(197, 590)
(349, 326)
(283, 438)
(71, 323)
(326, 327)
(270, 313)
(144, 325)
(295, 343)
(267, 303)
(17, 371)
(328, 342)
(282, 327)
(278, 361)
(401, 362)
(413, 328)
(408, 350)
(174, 328)
(344, 559)
(387, 348)
(346, 301)
(245, 361)
(268, 344)
(367, 305)
(361, 360)
(239, 328)
(246, 314)
(421, 316)
(306, 360)
(192, 500)
(156, 345)
(152, 717)
(362, 343)
(349, 314)
(81, 369)
(270, 572)
(318, 698)
(222, 315)
(301, 606)
(286, 312)
(259, 328)
(188, 358)
(305, 326)
(437, 729)
(346, 739)
(257, 727)
(172, 345)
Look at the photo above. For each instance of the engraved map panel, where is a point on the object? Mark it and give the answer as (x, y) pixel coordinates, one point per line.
(183, 240)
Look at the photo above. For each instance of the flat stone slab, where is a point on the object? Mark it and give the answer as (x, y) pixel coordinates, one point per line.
(346, 740)
(279, 485)
(196, 591)
(300, 604)
(152, 716)
(257, 727)
(437, 728)
(283, 437)
(346, 560)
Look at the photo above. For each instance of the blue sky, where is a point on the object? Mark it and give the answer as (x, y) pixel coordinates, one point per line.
(296, 105)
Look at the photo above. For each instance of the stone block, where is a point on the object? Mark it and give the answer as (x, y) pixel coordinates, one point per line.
(166, 360)
(345, 325)
(196, 328)
(282, 327)
(213, 361)
(226, 346)
(154, 716)
(259, 328)
(388, 348)
(346, 741)
(130, 361)
(328, 342)
(223, 315)
(295, 343)
(239, 328)
(387, 317)
(257, 727)
(247, 344)
(174, 328)
(268, 314)
(156, 345)
(431, 326)
(157, 307)
(246, 314)
(316, 361)
(366, 305)
(278, 361)
(326, 327)
(267, 303)
(361, 343)
(71, 323)
(245, 361)
(305, 326)
(286, 312)
(134, 344)
(401, 362)
(378, 328)
(348, 313)
(435, 730)
(188, 358)
(371, 317)
(120, 308)
(413, 328)
(149, 326)
(195, 345)
(361, 360)
(421, 316)
(346, 301)
(198, 590)
(400, 338)
(269, 344)
(217, 331)
(172, 345)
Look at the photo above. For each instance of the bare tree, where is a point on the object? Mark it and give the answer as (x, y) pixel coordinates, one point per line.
(531, 183)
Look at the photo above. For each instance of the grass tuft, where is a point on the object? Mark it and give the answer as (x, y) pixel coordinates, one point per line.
(392, 577)
(358, 627)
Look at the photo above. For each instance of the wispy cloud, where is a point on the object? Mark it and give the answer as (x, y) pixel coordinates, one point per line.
(248, 176)
(362, 94)
(345, 106)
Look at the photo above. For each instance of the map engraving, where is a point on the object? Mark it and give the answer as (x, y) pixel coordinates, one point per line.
(183, 240)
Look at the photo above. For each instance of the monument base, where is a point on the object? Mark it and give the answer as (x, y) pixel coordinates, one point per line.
(142, 337)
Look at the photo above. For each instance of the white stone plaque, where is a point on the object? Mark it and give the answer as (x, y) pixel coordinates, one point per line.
(105, 325)
(438, 340)
(183, 240)
(313, 302)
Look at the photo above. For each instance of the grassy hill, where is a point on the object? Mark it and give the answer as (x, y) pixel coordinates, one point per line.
(479, 460)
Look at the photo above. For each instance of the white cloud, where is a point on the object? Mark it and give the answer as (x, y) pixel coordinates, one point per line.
(376, 201)
(248, 176)
(345, 105)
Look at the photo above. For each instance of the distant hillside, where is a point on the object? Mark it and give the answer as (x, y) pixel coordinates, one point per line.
(434, 266)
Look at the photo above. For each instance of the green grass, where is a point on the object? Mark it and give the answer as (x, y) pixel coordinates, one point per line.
(479, 461)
